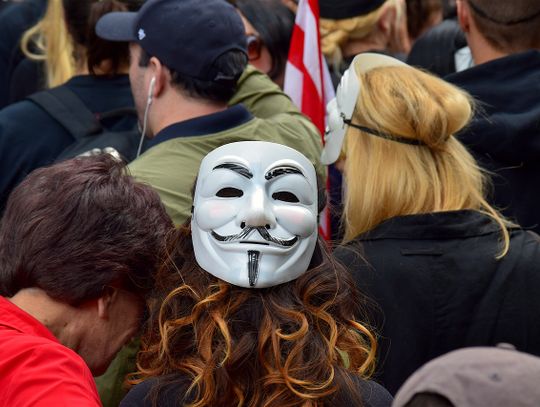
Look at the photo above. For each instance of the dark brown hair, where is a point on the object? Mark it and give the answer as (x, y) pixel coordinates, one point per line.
(230, 64)
(509, 26)
(76, 227)
(81, 18)
(419, 15)
(274, 22)
(295, 344)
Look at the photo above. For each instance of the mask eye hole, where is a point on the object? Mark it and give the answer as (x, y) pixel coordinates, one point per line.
(285, 196)
(229, 192)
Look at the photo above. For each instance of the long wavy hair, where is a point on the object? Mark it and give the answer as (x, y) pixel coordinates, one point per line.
(67, 25)
(296, 344)
(385, 178)
(48, 41)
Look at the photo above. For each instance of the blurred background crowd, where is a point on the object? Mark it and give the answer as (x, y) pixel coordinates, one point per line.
(427, 171)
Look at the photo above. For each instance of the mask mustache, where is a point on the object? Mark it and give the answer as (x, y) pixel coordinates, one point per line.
(262, 231)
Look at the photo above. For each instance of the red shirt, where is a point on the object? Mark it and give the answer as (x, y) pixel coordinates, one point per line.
(35, 369)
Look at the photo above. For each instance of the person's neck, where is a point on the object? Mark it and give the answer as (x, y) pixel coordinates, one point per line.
(482, 51)
(182, 109)
(374, 42)
(56, 316)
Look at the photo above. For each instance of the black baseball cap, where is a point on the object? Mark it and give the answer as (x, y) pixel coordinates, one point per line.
(341, 9)
(185, 35)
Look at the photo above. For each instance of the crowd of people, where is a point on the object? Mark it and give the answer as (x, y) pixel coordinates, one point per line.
(161, 196)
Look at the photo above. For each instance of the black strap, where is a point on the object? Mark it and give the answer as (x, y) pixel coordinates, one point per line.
(69, 110)
(386, 136)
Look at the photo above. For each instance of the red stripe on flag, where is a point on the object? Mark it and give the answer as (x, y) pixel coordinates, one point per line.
(311, 96)
(296, 50)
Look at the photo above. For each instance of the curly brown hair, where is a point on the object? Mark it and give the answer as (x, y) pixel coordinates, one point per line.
(296, 344)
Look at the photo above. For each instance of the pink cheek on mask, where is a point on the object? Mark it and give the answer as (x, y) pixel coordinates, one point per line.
(213, 214)
(298, 221)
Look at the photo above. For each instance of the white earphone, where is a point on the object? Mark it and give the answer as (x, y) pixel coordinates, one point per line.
(151, 90)
(145, 119)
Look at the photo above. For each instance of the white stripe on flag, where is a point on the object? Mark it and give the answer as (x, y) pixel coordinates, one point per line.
(311, 60)
(294, 85)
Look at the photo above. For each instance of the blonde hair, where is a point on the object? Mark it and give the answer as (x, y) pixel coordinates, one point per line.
(49, 41)
(386, 178)
(336, 33)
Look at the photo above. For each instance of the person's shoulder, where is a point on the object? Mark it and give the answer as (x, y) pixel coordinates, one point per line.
(46, 372)
(373, 394)
(139, 395)
(22, 119)
(45, 355)
(166, 159)
(525, 244)
(60, 358)
(21, 109)
(27, 130)
(348, 252)
(161, 391)
(296, 132)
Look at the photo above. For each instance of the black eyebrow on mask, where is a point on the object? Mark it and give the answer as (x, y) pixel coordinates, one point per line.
(240, 169)
(282, 170)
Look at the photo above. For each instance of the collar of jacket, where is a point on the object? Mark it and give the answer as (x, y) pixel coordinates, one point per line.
(435, 225)
(230, 118)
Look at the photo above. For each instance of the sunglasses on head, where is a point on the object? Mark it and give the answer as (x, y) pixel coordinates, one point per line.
(254, 45)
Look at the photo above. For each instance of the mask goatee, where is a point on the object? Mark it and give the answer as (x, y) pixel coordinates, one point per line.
(253, 266)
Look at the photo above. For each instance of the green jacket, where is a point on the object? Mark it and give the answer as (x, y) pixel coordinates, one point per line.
(172, 166)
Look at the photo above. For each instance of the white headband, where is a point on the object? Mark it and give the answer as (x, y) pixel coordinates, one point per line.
(340, 109)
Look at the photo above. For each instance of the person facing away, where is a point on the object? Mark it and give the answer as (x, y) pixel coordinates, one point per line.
(504, 38)
(349, 27)
(30, 137)
(268, 25)
(250, 309)
(446, 269)
(189, 90)
(79, 243)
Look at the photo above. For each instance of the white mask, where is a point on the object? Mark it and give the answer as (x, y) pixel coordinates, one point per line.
(255, 214)
(341, 108)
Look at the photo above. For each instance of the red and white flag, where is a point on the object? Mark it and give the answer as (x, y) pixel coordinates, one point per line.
(307, 80)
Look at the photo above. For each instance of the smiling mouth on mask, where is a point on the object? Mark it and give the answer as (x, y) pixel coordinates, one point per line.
(240, 237)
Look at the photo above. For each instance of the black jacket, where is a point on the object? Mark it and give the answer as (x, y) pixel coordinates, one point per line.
(505, 134)
(439, 287)
(374, 395)
(435, 49)
(30, 138)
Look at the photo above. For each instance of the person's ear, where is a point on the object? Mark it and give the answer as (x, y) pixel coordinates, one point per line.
(387, 20)
(393, 24)
(463, 14)
(158, 77)
(104, 303)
